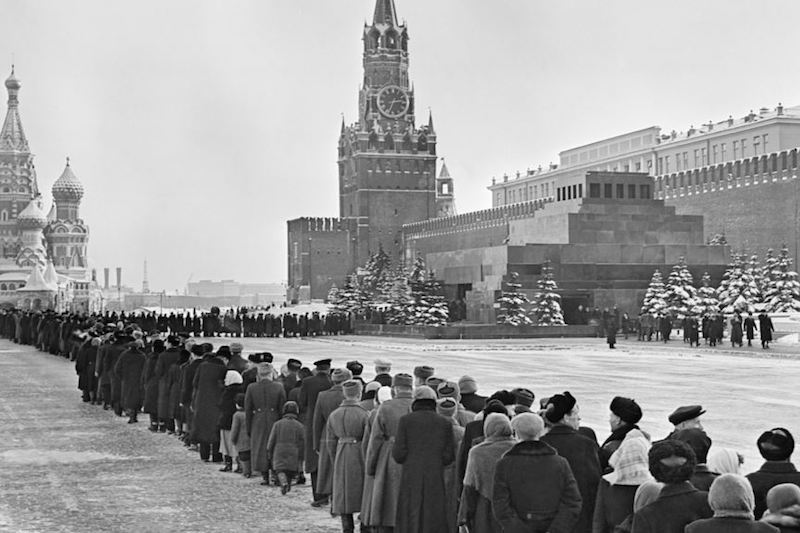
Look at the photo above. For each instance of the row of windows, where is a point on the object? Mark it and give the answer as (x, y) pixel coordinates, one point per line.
(608, 190)
(525, 193)
(10, 286)
(736, 169)
(569, 192)
(719, 153)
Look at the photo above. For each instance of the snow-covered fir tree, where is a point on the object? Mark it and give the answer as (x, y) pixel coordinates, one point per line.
(733, 291)
(752, 282)
(718, 240)
(399, 298)
(655, 297)
(349, 299)
(377, 279)
(679, 291)
(427, 306)
(770, 273)
(547, 303)
(787, 297)
(706, 301)
(333, 294)
(513, 303)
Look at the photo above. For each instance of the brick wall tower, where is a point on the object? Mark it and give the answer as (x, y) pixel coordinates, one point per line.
(445, 197)
(387, 165)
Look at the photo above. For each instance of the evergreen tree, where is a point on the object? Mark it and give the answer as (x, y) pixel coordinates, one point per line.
(718, 240)
(513, 304)
(547, 305)
(752, 282)
(732, 292)
(377, 279)
(427, 306)
(399, 298)
(787, 297)
(349, 299)
(770, 273)
(706, 301)
(679, 292)
(333, 294)
(654, 299)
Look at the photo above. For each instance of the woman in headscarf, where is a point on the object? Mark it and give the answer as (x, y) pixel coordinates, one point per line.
(263, 404)
(731, 498)
(646, 493)
(724, 461)
(783, 508)
(476, 497)
(618, 488)
(448, 408)
(227, 407)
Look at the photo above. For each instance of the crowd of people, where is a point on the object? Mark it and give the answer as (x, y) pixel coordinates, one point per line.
(417, 452)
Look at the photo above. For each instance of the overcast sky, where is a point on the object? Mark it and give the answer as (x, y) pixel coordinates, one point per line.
(198, 128)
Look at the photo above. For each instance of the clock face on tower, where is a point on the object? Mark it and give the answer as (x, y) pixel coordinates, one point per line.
(393, 101)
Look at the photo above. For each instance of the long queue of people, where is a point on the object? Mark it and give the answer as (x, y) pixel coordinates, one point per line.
(414, 452)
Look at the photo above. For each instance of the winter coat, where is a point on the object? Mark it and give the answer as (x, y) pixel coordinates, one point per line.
(369, 480)
(150, 385)
(327, 402)
(424, 447)
(128, 370)
(765, 326)
(535, 491)
(729, 525)
(476, 509)
(473, 402)
(286, 445)
(736, 329)
(112, 355)
(473, 435)
(702, 478)
(166, 359)
(238, 363)
(613, 505)
(208, 386)
(174, 376)
(677, 506)
(309, 390)
(239, 436)
(227, 405)
(85, 365)
(345, 432)
(263, 404)
(613, 442)
(750, 327)
(101, 367)
(583, 456)
(770, 474)
(380, 461)
(452, 485)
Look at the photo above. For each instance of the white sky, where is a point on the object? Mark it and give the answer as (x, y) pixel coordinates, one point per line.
(198, 128)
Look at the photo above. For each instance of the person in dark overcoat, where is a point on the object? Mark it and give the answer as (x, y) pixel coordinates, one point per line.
(750, 328)
(534, 489)
(188, 372)
(766, 327)
(672, 462)
(582, 453)
(309, 391)
(227, 408)
(286, 446)
(731, 499)
(209, 382)
(150, 383)
(263, 404)
(625, 414)
(776, 447)
(167, 358)
(327, 402)
(84, 367)
(128, 370)
(345, 432)
(424, 447)
(470, 399)
(380, 461)
(736, 329)
(174, 376)
(110, 358)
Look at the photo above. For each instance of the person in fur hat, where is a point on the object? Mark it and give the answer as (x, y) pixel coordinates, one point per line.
(783, 508)
(625, 414)
(776, 447)
(731, 498)
(286, 446)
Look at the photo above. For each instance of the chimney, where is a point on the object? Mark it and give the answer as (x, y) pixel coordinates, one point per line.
(119, 277)
(94, 275)
(780, 108)
(105, 275)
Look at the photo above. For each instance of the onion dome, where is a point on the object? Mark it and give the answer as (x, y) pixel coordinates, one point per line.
(67, 187)
(32, 217)
(12, 83)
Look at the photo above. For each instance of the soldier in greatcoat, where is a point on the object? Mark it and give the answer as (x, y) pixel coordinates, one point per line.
(345, 430)
(327, 402)
(263, 404)
(309, 391)
(380, 462)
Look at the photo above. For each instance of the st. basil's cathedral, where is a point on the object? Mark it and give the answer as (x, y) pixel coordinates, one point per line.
(43, 264)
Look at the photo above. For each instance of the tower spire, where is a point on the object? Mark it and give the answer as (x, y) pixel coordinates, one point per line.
(430, 121)
(385, 13)
(12, 136)
(145, 283)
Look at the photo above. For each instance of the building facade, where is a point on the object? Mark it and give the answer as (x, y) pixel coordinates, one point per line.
(740, 173)
(386, 170)
(43, 263)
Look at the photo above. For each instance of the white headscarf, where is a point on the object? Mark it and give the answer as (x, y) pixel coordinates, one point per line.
(723, 461)
(383, 394)
(232, 377)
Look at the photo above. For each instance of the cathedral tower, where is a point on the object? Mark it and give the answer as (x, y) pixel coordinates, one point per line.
(67, 235)
(387, 165)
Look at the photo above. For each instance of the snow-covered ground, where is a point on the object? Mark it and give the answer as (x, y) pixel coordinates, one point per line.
(745, 391)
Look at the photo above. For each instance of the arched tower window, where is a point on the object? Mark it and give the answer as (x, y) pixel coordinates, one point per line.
(422, 143)
(373, 141)
(445, 188)
(391, 39)
(3, 215)
(388, 141)
(371, 42)
(3, 287)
